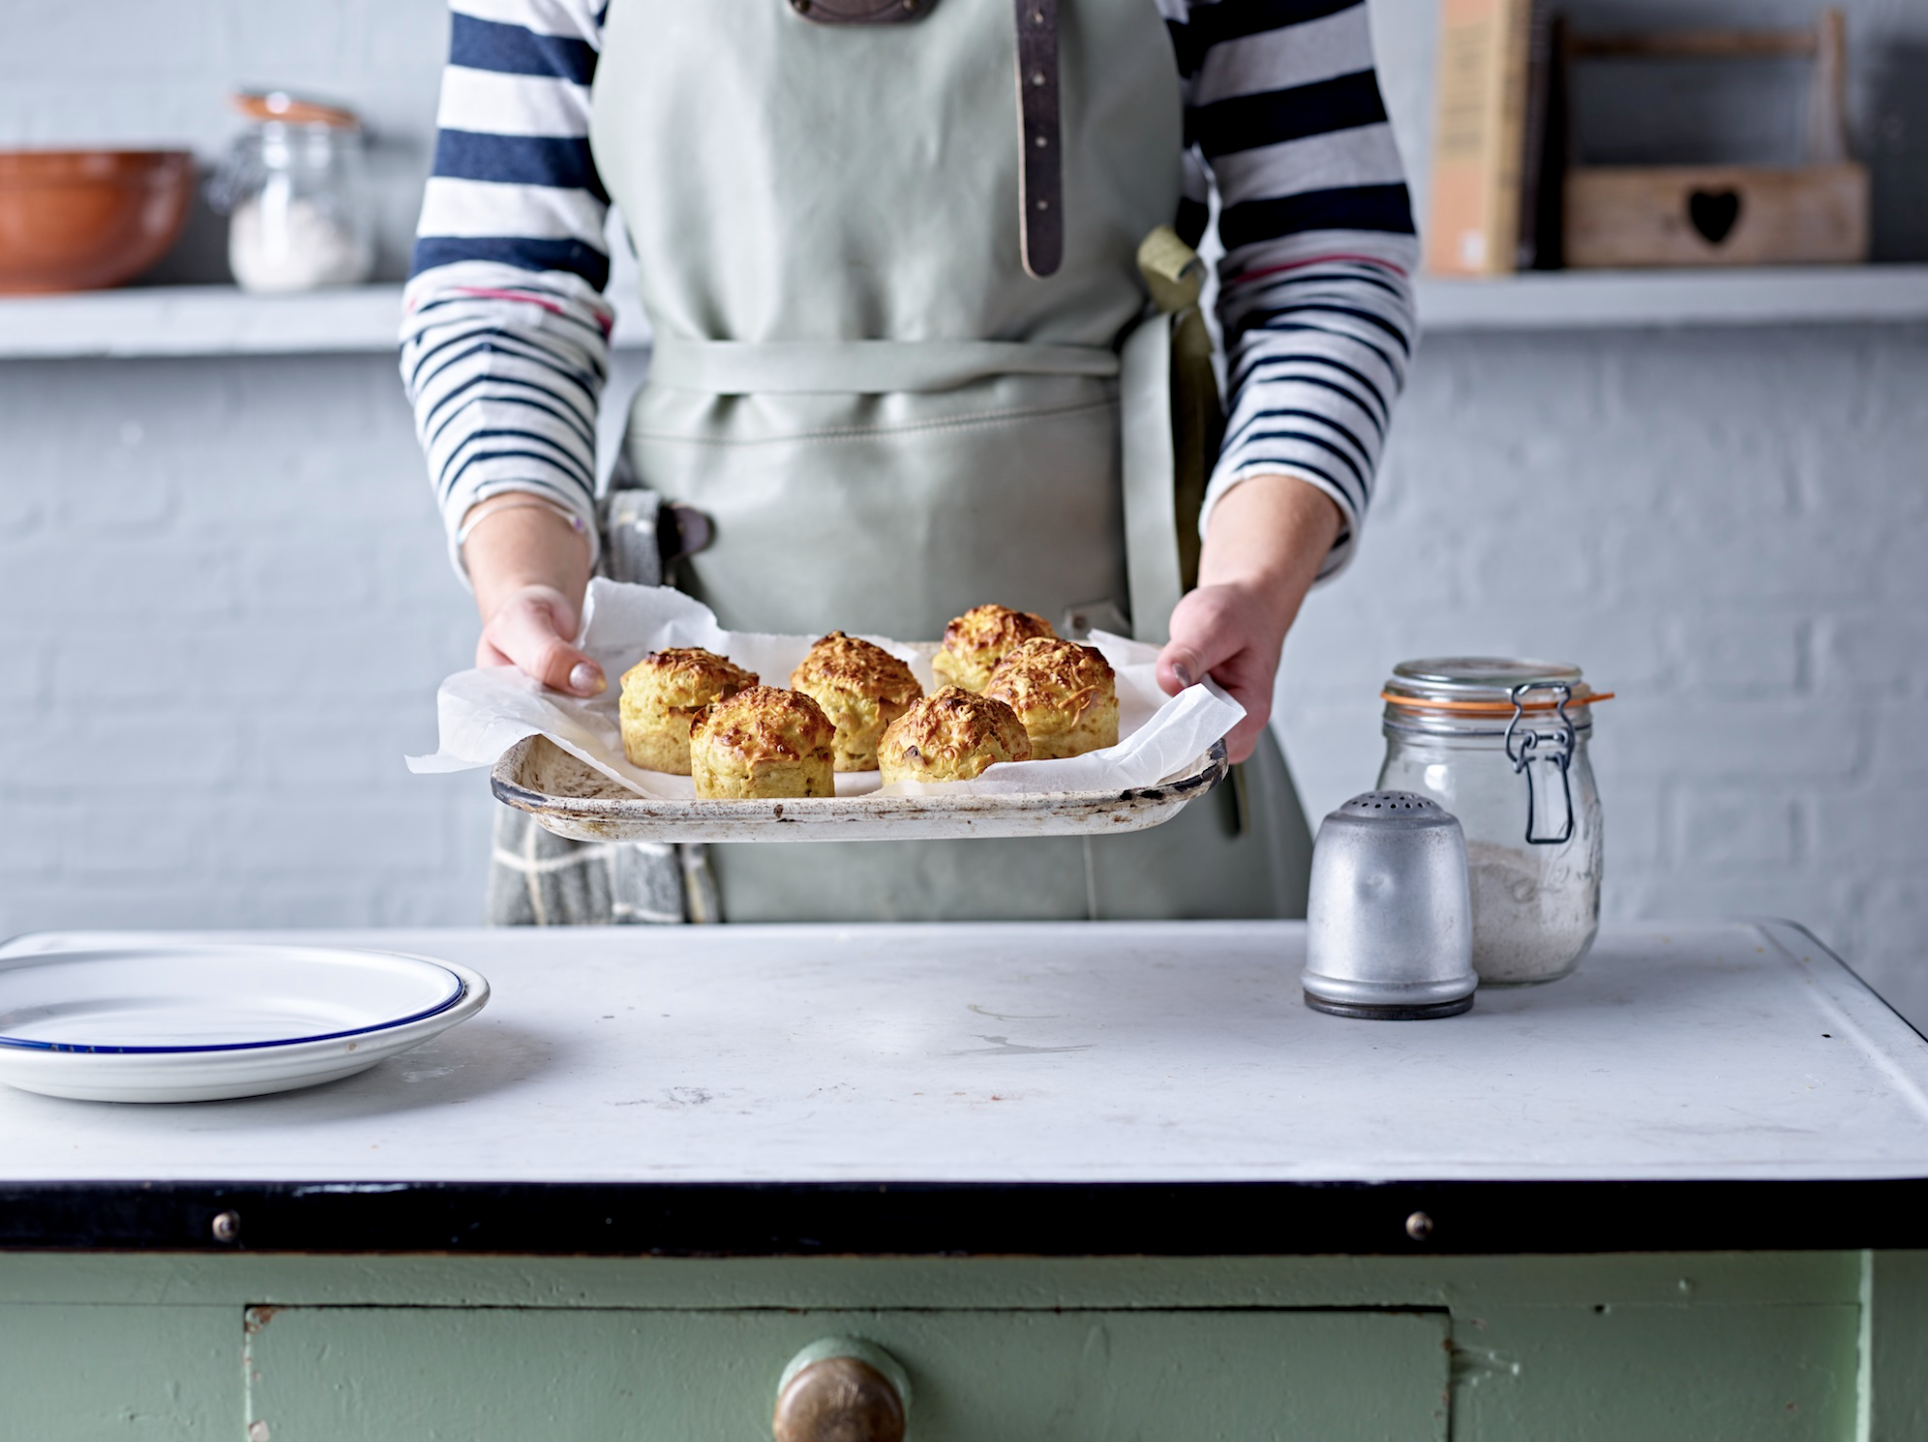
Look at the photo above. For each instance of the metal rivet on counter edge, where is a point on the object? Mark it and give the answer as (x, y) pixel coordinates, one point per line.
(227, 1226)
(1419, 1226)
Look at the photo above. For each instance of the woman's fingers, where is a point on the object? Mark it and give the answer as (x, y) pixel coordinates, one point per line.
(530, 631)
(1201, 639)
(1217, 632)
(1179, 667)
(1255, 695)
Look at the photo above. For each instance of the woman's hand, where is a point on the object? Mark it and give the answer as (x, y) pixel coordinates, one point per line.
(1267, 538)
(530, 569)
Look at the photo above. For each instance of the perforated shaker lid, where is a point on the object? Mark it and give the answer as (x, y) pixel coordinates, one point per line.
(1407, 809)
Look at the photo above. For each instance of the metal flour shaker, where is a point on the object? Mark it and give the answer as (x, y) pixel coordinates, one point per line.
(1389, 919)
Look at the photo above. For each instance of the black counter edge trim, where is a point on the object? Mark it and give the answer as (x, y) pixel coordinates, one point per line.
(985, 1219)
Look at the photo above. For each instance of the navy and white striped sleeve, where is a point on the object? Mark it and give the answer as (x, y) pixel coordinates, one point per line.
(1315, 293)
(505, 341)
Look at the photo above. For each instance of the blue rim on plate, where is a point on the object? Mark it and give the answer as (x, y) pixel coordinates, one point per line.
(17, 1043)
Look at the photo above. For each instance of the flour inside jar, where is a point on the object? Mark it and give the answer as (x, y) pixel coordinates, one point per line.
(1531, 921)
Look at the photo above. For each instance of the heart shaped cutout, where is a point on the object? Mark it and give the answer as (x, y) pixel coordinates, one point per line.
(1714, 213)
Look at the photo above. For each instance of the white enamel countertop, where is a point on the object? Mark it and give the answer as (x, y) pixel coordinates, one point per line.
(1085, 1053)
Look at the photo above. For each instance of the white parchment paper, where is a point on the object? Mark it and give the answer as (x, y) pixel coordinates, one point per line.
(482, 713)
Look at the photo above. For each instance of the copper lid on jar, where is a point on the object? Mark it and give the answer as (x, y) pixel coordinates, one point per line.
(278, 106)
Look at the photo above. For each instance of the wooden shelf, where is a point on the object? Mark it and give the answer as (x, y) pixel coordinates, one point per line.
(220, 320)
(1647, 299)
(213, 320)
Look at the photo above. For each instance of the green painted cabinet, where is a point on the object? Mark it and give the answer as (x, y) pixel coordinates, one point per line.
(1766, 1347)
(358, 1374)
(132, 1373)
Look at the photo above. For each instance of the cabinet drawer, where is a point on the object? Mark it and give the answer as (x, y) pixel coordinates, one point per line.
(338, 1374)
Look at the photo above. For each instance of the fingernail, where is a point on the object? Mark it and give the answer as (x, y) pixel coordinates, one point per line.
(1182, 672)
(587, 680)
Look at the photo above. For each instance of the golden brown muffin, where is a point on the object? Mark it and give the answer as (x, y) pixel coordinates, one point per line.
(662, 694)
(976, 641)
(763, 742)
(1065, 694)
(951, 736)
(862, 689)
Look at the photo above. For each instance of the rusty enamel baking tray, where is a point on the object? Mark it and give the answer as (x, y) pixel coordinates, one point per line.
(573, 800)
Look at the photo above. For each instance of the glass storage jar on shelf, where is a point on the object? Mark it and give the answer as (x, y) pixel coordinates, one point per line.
(294, 190)
(1503, 746)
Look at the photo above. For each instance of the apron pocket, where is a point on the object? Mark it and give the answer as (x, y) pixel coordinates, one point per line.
(893, 513)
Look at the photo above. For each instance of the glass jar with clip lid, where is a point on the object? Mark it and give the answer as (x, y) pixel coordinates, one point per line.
(1502, 744)
(293, 186)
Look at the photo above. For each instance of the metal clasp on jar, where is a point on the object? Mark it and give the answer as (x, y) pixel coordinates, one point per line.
(1554, 747)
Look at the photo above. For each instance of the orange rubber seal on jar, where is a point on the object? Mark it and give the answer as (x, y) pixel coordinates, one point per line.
(1491, 708)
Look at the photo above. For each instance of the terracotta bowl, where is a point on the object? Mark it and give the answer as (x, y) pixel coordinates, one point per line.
(80, 219)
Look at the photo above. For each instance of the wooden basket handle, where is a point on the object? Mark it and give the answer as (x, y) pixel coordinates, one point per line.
(1826, 42)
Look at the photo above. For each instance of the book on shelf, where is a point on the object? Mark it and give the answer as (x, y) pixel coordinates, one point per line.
(1496, 147)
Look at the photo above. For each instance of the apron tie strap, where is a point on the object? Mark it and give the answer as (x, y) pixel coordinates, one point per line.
(860, 367)
(1173, 272)
(1173, 427)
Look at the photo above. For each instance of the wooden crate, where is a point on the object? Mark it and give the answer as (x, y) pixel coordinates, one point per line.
(1619, 216)
(1716, 215)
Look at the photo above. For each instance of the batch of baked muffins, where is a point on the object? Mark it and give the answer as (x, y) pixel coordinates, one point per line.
(1010, 690)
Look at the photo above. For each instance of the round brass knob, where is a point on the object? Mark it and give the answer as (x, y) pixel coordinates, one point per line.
(842, 1390)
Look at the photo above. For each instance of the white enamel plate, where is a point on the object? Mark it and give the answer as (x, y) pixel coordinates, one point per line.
(201, 1022)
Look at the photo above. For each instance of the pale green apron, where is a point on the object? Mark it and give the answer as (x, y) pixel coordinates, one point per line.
(886, 419)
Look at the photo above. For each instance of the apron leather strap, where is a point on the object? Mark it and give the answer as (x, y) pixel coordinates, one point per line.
(861, 12)
(1041, 191)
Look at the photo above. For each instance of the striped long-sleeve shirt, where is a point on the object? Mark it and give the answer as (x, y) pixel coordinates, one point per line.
(505, 344)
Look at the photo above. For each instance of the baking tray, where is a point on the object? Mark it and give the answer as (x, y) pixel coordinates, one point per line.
(574, 800)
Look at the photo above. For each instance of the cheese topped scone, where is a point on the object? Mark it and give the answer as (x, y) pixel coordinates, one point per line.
(763, 742)
(952, 735)
(662, 694)
(862, 689)
(1065, 694)
(976, 641)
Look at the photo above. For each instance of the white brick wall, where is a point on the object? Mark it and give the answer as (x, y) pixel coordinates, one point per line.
(223, 605)
(223, 611)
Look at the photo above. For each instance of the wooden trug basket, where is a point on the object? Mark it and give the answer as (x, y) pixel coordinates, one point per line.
(1726, 214)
